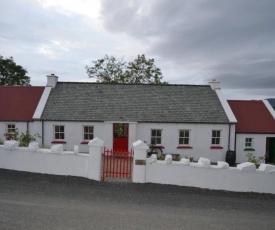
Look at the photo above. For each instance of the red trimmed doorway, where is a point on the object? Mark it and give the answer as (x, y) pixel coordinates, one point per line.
(120, 136)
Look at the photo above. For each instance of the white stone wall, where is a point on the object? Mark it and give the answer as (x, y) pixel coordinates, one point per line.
(232, 179)
(44, 161)
(259, 145)
(53, 161)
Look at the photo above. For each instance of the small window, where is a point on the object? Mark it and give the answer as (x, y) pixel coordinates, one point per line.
(156, 136)
(11, 128)
(184, 137)
(248, 142)
(88, 133)
(216, 137)
(59, 132)
(11, 132)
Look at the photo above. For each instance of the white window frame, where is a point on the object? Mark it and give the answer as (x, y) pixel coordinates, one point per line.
(215, 137)
(59, 132)
(10, 129)
(156, 137)
(249, 143)
(87, 133)
(184, 137)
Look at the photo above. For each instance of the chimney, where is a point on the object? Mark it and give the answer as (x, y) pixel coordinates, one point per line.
(215, 84)
(51, 80)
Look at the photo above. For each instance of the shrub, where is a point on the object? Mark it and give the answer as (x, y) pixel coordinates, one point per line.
(252, 158)
(26, 138)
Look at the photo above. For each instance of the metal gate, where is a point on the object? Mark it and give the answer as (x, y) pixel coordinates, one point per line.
(117, 164)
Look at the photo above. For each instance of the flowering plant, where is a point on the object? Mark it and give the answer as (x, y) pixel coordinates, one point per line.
(11, 135)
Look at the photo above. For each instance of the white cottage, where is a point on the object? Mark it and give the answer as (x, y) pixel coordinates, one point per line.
(255, 130)
(18, 104)
(191, 120)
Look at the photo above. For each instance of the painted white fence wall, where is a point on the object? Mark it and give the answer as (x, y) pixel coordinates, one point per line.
(48, 162)
(244, 178)
(44, 161)
(259, 144)
(231, 179)
(35, 127)
(200, 139)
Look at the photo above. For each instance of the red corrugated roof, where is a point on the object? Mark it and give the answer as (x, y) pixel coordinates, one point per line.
(18, 103)
(252, 117)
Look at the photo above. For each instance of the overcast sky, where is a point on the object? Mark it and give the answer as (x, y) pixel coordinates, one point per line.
(192, 41)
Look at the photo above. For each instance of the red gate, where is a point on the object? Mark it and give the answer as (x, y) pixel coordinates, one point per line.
(117, 164)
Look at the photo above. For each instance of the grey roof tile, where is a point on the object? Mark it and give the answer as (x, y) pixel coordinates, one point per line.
(71, 101)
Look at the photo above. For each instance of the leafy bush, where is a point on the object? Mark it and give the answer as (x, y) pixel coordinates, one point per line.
(24, 138)
(253, 159)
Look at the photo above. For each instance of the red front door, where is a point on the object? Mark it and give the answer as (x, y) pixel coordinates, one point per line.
(120, 136)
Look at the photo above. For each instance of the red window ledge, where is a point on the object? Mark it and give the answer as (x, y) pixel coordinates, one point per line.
(157, 146)
(58, 142)
(84, 142)
(216, 147)
(184, 147)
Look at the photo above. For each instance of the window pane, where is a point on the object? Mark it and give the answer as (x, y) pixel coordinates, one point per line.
(91, 129)
(62, 136)
(153, 133)
(181, 141)
(186, 133)
(158, 133)
(61, 129)
(86, 129)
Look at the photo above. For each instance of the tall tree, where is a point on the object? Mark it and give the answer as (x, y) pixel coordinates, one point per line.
(11, 73)
(107, 70)
(138, 71)
(143, 71)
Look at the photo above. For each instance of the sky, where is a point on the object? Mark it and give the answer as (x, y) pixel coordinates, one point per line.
(191, 41)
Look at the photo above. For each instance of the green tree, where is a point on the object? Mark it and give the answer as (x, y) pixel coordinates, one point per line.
(138, 71)
(143, 71)
(11, 73)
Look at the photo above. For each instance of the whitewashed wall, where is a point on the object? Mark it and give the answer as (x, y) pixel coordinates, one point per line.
(35, 127)
(44, 161)
(231, 179)
(200, 136)
(200, 139)
(73, 133)
(55, 162)
(259, 145)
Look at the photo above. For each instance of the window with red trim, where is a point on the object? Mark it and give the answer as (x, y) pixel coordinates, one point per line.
(59, 132)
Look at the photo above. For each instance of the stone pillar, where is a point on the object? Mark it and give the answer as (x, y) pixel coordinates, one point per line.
(95, 159)
(139, 164)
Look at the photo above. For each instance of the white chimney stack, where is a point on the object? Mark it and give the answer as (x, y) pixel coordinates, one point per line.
(51, 80)
(215, 84)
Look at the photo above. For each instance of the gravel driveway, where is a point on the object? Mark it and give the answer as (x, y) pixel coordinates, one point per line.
(39, 201)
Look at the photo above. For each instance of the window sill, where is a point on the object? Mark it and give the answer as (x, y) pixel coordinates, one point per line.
(184, 147)
(216, 147)
(249, 149)
(84, 142)
(157, 146)
(58, 142)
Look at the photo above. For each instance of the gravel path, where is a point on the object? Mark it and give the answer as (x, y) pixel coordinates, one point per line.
(39, 201)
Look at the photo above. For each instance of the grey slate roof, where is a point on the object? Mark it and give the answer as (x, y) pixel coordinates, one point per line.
(72, 101)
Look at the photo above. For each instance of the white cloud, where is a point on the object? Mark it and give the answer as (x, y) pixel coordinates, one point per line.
(88, 8)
